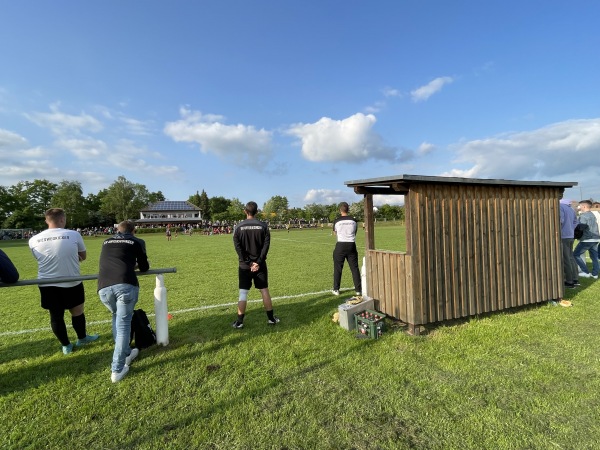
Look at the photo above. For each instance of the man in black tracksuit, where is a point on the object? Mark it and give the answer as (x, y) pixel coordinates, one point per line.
(344, 228)
(251, 239)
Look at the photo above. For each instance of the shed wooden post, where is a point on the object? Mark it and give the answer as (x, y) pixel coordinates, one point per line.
(369, 223)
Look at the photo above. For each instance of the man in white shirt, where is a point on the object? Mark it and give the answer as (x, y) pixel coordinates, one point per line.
(344, 227)
(58, 252)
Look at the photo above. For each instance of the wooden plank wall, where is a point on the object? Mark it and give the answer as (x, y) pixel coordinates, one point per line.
(476, 249)
(389, 282)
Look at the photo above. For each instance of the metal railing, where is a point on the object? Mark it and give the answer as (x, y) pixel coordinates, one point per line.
(160, 296)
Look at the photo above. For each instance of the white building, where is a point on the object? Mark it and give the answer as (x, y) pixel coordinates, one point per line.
(170, 212)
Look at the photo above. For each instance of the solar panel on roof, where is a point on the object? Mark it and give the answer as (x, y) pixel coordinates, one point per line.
(171, 205)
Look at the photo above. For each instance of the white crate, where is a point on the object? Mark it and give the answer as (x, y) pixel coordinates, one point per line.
(347, 311)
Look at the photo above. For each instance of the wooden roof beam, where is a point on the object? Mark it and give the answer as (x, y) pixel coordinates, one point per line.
(363, 190)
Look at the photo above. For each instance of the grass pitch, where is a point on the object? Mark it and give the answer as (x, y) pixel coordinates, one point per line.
(519, 379)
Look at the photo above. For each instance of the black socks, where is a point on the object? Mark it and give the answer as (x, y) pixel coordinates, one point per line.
(57, 323)
(78, 323)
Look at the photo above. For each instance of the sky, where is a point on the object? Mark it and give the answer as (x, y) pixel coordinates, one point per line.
(249, 99)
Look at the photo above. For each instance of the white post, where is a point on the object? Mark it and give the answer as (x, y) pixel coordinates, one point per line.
(363, 277)
(161, 311)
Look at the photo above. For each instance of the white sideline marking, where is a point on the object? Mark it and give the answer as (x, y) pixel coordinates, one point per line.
(199, 308)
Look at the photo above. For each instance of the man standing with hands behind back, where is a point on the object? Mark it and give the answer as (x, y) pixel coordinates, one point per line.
(118, 289)
(251, 239)
(344, 227)
(58, 252)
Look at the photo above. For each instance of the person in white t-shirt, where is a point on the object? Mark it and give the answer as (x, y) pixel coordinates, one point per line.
(58, 252)
(344, 227)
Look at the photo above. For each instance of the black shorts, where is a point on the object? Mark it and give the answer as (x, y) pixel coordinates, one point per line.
(54, 297)
(260, 278)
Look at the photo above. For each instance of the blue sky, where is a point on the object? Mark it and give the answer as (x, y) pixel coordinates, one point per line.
(251, 99)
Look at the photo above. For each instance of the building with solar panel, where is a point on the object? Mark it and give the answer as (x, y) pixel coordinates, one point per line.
(170, 213)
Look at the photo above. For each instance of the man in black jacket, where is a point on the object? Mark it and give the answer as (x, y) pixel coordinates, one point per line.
(118, 289)
(251, 239)
(8, 271)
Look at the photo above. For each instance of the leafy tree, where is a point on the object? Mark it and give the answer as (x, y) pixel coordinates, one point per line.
(204, 205)
(276, 208)
(5, 201)
(235, 212)
(24, 218)
(35, 194)
(195, 199)
(357, 210)
(69, 196)
(124, 199)
(26, 201)
(96, 217)
(39, 195)
(316, 211)
(218, 205)
(154, 197)
(390, 212)
(295, 214)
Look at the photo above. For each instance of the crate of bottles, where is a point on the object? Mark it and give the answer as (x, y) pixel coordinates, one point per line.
(370, 323)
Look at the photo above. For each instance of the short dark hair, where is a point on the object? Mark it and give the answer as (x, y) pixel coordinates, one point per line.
(251, 208)
(344, 207)
(54, 214)
(127, 226)
(586, 202)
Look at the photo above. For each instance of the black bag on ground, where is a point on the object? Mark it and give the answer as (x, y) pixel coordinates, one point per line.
(141, 330)
(579, 230)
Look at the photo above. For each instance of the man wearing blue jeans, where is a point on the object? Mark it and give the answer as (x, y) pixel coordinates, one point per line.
(118, 289)
(588, 242)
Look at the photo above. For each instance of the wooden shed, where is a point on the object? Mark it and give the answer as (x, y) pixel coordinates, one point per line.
(473, 246)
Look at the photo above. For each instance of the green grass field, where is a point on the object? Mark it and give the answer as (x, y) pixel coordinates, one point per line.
(524, 379)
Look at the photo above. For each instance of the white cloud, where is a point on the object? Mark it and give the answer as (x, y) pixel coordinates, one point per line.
(138, 127)
(425, 148)
(335, 196)
(11, 140)
(84, 148)
(128, 156)
(375, 107)
(351, 139)
(434, 86)
(60, 123)
(242, 145)
(379, 200)
(326, 196)
(549, 152)
(29, 170)
(391, 92)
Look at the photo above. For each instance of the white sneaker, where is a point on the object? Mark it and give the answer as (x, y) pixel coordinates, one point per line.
(334, 292)
(595, 277)
(118, 376)
(585, 275)
(134, 353)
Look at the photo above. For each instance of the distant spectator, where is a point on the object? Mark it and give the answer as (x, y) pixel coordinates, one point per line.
(568, 222)
(588, 242)
(8, 271)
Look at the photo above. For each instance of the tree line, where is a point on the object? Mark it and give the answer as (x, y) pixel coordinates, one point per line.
(22, 205)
